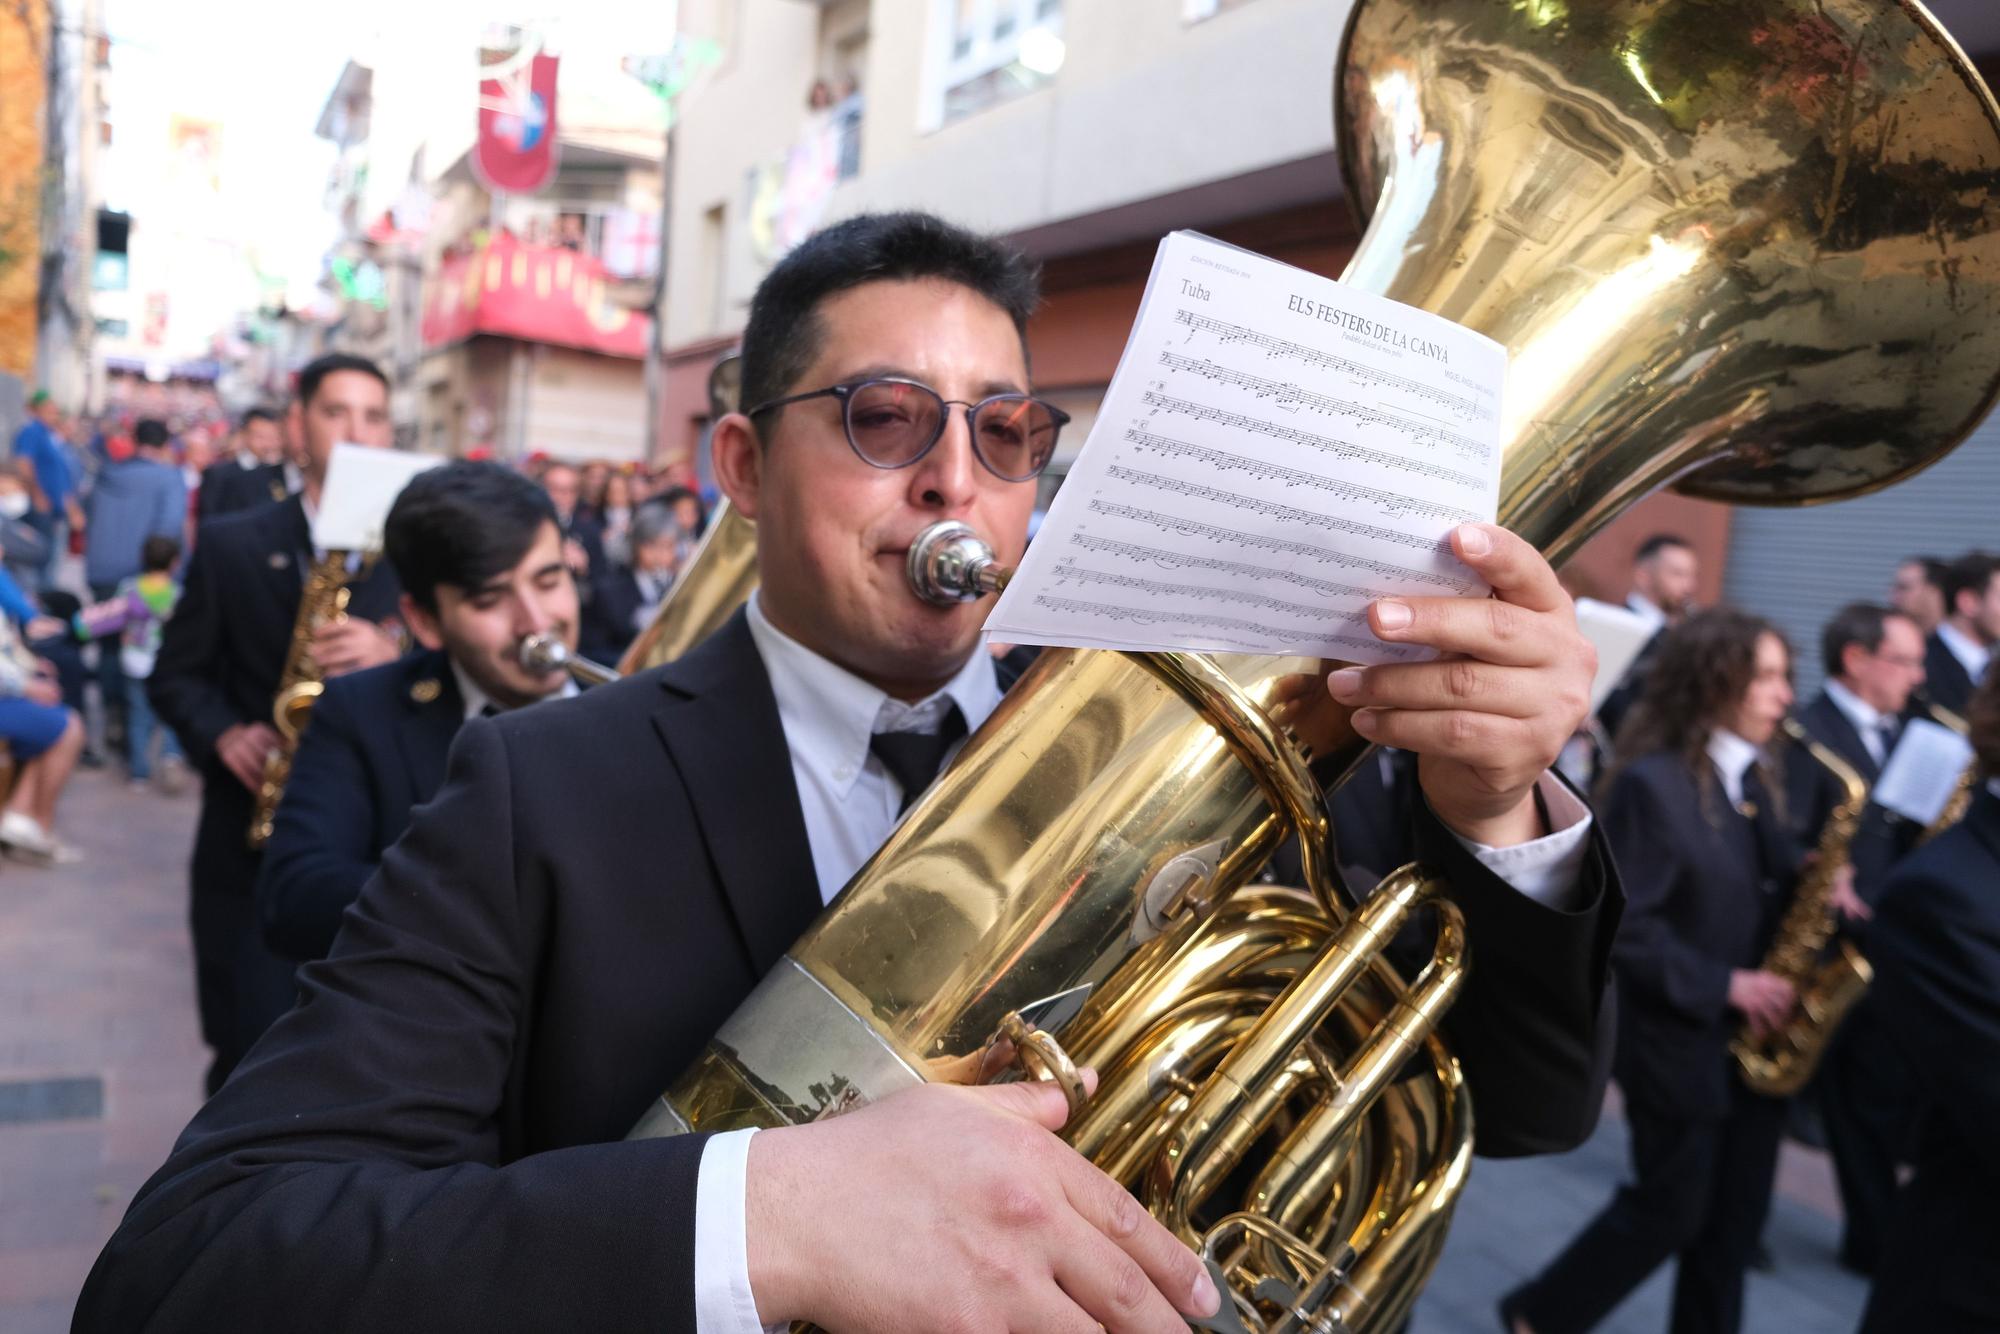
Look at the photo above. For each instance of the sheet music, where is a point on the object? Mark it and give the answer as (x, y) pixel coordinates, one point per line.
(1275, 452)
(1619, 635)
(361, 484)
(1922, 772)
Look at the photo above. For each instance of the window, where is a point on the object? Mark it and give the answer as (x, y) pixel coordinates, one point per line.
(993, 50)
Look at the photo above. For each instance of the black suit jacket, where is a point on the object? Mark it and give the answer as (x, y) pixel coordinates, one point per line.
(1704, 890)
(1936, 950)
(1883, 836)
(433, 1137)
(228, 487)
(375, 751)
(221, 656)
(609, 621)
(1946, 681)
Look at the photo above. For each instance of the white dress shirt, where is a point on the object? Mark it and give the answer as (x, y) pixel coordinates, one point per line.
(1866, 718)
(1971, 656)
(476, 699)
(1733, 757)
(851, 804)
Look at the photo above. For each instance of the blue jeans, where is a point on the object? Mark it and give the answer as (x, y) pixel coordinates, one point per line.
(139, 723)
(50, 526)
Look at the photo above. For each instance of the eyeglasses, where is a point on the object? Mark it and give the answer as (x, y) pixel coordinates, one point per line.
(892, 423)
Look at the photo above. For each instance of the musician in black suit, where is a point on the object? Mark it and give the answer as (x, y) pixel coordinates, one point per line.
(1935, 943)
(628, 595)
(1874, 660)
(253, 478)
(1961, 648)
(584, 534)
(476, 549)
(602, 880)
(1695, 820)
(1666, 573)
(216, 678)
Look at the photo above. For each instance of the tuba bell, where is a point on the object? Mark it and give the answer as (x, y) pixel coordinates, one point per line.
(1752, 251)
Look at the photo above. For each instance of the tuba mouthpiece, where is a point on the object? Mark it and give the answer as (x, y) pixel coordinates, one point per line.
(949, 564)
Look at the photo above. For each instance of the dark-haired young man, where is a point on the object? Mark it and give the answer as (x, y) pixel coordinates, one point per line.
(479, 555)
(1917, 590)
(1960, 651)
(257, 474)
(217, 676)
(601, 881)
(1665, 575)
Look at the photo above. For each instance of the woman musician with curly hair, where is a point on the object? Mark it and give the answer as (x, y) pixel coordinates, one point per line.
(1695, 819)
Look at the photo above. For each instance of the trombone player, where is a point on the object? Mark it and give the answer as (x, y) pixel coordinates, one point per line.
(479, 554)
(601, 881)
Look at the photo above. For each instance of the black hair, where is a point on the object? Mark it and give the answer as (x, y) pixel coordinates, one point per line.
(316, 371)
(1970, 573)
(150, 433)
(158, 553)
(462, 524)
(783, 333)
(261, 414)
(1856, 623)
(1657, 543)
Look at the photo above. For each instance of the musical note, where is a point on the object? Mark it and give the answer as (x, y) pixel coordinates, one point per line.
(1279, 546)
(1312, 356)
(1280, 392)
(1207, 623)
(1271, 510)
(1223, 461)
(1205, 592)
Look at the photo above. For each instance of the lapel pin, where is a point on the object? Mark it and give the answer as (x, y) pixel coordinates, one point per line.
(426, 690)
(279, 560)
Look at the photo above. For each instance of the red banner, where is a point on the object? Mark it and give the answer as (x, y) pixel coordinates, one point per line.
(516, 152)
(540, 294)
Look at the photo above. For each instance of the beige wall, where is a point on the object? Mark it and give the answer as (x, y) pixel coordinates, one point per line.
(1144, 106)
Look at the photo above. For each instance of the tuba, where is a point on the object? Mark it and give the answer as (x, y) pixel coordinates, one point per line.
(1752, 251)
(323, 602)
(1779, 1064)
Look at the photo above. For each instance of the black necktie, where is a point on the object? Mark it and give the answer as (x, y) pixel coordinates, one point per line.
(1886, 732)
(914, 758)
(489, 711)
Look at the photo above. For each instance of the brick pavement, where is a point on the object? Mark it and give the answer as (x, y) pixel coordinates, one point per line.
(95, 983)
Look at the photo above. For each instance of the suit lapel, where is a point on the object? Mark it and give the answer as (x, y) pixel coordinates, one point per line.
(436, 711)
(720, 723)
(1839, 732)
(286, 540)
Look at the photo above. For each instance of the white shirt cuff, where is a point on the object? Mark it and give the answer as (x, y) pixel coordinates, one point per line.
(1546, 869)
(722, 1300)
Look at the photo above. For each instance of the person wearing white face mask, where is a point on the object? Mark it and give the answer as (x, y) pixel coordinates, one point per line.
(20, 545)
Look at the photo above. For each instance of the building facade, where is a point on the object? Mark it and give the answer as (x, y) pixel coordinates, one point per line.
(25, 31)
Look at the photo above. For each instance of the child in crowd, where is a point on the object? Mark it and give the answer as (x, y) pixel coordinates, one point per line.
(138, 612)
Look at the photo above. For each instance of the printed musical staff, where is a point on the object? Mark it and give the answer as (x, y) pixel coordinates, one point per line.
(1084, 574)
(1279, 392)
(1209, 624)
(1272, 510)
(1277, 546)
(1273, 346)
(1223, 461)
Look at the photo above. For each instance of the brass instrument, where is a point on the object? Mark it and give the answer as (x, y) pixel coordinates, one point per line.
(542, 654)
(1961, 797)
(324, 602)
(1780, 1063)
(1671, 214)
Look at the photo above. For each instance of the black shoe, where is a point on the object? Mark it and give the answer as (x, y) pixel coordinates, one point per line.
(92, 759)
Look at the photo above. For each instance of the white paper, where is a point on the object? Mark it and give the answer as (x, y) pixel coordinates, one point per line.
(1275, 452)
(361, 484)
(1619, 634)
(1923, 771)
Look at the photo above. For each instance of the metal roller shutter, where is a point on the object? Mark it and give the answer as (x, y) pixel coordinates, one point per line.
(1799, 566)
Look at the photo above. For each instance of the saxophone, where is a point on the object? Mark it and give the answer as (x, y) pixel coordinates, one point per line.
(1779, 1064)
(324, 602)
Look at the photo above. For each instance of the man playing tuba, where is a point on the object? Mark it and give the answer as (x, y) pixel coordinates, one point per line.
(434, 1136)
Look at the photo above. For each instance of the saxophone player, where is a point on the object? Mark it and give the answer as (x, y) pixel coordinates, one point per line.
(1694, 817)
(1874, 662)
(479, 555)
(601, 881)
(217, 676)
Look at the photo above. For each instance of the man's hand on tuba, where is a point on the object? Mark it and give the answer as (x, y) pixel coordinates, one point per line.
(1491, 716)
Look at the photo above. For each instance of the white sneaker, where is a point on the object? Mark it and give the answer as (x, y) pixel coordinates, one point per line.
(171, 774)
(24, 835)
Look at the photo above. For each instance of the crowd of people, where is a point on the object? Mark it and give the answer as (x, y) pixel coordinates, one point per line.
(476, 947)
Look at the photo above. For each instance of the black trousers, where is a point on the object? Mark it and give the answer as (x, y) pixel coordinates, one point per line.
(1867, 1102)
(1700, 1192)
(240, 985)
